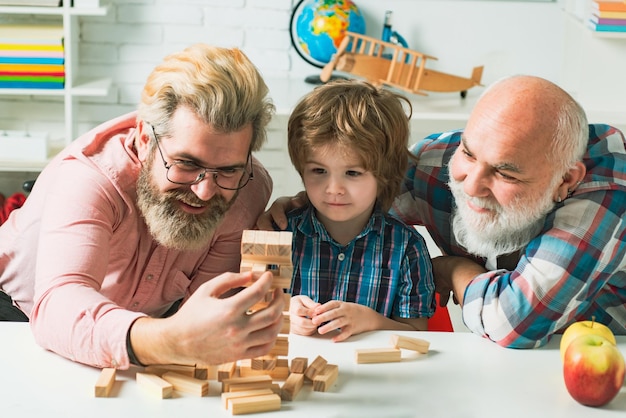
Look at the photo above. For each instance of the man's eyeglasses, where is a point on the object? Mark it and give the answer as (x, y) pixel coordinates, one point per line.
(188, 172)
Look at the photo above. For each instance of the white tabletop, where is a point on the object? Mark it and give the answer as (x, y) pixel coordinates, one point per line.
(462, 376)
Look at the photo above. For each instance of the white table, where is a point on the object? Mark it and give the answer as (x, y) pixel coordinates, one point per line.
(462, 376)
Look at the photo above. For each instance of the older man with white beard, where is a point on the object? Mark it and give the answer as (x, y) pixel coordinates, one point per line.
(527, 206)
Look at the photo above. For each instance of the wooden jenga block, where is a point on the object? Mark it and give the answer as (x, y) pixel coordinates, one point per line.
(263, 363)
(187, 384)
(326, 378)
(299, 364)
(201, 373)
(272, 239)
(258, 382)
(285, 270)
(161, 369)
(248, 238)
(281, 347)
(377, 355)
(154, 385)
(286, 326)
(292, 386)
(316, 367)
(252, 404)
(226, 396)
(287, 299)
(280, 372)
(409, 343)
(105, 382)
(226, 371)
(281, 282)
(285, 239)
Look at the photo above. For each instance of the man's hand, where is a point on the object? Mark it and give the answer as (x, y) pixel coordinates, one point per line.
(276, 214)
(300, 314)
(210, 330)
(454, 274)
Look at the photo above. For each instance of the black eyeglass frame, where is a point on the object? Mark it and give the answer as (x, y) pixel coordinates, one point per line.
(202, 175)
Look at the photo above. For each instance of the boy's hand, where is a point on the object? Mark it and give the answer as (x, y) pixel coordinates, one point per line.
(300, 312)
(276, 214)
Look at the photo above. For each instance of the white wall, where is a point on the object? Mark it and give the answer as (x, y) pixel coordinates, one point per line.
(505, 36)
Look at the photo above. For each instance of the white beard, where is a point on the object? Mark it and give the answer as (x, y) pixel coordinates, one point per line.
(503, 230)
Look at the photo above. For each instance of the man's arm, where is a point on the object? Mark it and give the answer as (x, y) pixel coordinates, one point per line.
(454, 274)
(276, 214)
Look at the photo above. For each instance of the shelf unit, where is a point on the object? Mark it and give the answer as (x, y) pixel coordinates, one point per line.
(75, 85)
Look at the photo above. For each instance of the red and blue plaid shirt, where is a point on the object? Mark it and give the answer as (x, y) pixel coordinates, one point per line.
(386, 267)
(573, 270)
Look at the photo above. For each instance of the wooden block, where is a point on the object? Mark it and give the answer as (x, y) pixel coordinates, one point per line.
(285, 328)
(226, 396)
(377, 355)
(279, 372)
(105, 382)
(252, 404)
(263, 381)
(285, 239)
(285, 270)
(281, 347)
(326, 378)
(281, 282)
(409, 343)
(247, 241)
(316, 367)
(292, 386)
(161, 369)
(299, 364)
(226, 371)
(273, 243)
(263, 363)
(155, 385)
(187, 384)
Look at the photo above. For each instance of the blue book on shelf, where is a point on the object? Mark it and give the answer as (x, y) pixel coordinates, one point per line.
(30, 85)
(606, 28)
(31, 60)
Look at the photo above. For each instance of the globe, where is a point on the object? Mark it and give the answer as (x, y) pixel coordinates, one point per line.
(318, 27)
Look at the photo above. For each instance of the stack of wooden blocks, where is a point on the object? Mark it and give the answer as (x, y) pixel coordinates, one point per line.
(247, 386)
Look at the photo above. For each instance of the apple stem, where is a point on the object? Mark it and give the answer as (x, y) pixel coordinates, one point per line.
(593, 320)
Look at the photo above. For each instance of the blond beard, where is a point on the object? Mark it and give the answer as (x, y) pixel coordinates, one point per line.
(502, 231)
(168, 224)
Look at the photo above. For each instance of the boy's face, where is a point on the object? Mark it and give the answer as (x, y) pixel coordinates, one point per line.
(339, 188)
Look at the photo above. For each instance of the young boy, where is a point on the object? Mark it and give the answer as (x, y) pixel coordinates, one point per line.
(356, 268)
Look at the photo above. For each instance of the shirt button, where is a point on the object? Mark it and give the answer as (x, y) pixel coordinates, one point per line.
(149, 277)
(341, 256)
(135, 304)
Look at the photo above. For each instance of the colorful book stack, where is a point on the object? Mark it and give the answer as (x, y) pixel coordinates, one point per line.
(32, 57)
(608, 16)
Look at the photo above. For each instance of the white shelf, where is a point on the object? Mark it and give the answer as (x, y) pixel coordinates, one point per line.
(75, 85)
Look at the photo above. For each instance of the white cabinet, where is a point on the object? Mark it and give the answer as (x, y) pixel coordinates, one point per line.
(76, 86)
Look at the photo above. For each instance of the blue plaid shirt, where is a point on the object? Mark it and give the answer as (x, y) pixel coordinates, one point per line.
(386, 267)
(573, 270)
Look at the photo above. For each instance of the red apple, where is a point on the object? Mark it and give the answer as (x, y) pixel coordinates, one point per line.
(584, 328)
(593, 369)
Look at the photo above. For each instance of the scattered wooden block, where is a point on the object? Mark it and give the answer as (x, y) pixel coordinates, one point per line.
(105, 382)
(377, 355)
(161, 369)
(246, 383)
(155, 385)
(252, 404)
(314, 368)
(292, 386)
(226, 371)
(226, 396)
(279, 372)
(187, 384)
(299, 364)
(326, 378)
(263, 363)
(409, 343)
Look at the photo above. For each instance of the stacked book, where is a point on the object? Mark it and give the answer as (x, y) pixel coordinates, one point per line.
(32, 57)
(608, 16)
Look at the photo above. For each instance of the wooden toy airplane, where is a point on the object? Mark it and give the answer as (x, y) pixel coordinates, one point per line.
(399, 67)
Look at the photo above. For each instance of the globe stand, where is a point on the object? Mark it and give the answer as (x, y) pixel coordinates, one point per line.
(315, 79)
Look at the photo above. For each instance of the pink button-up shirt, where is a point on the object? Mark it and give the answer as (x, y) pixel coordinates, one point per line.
(78, 259)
